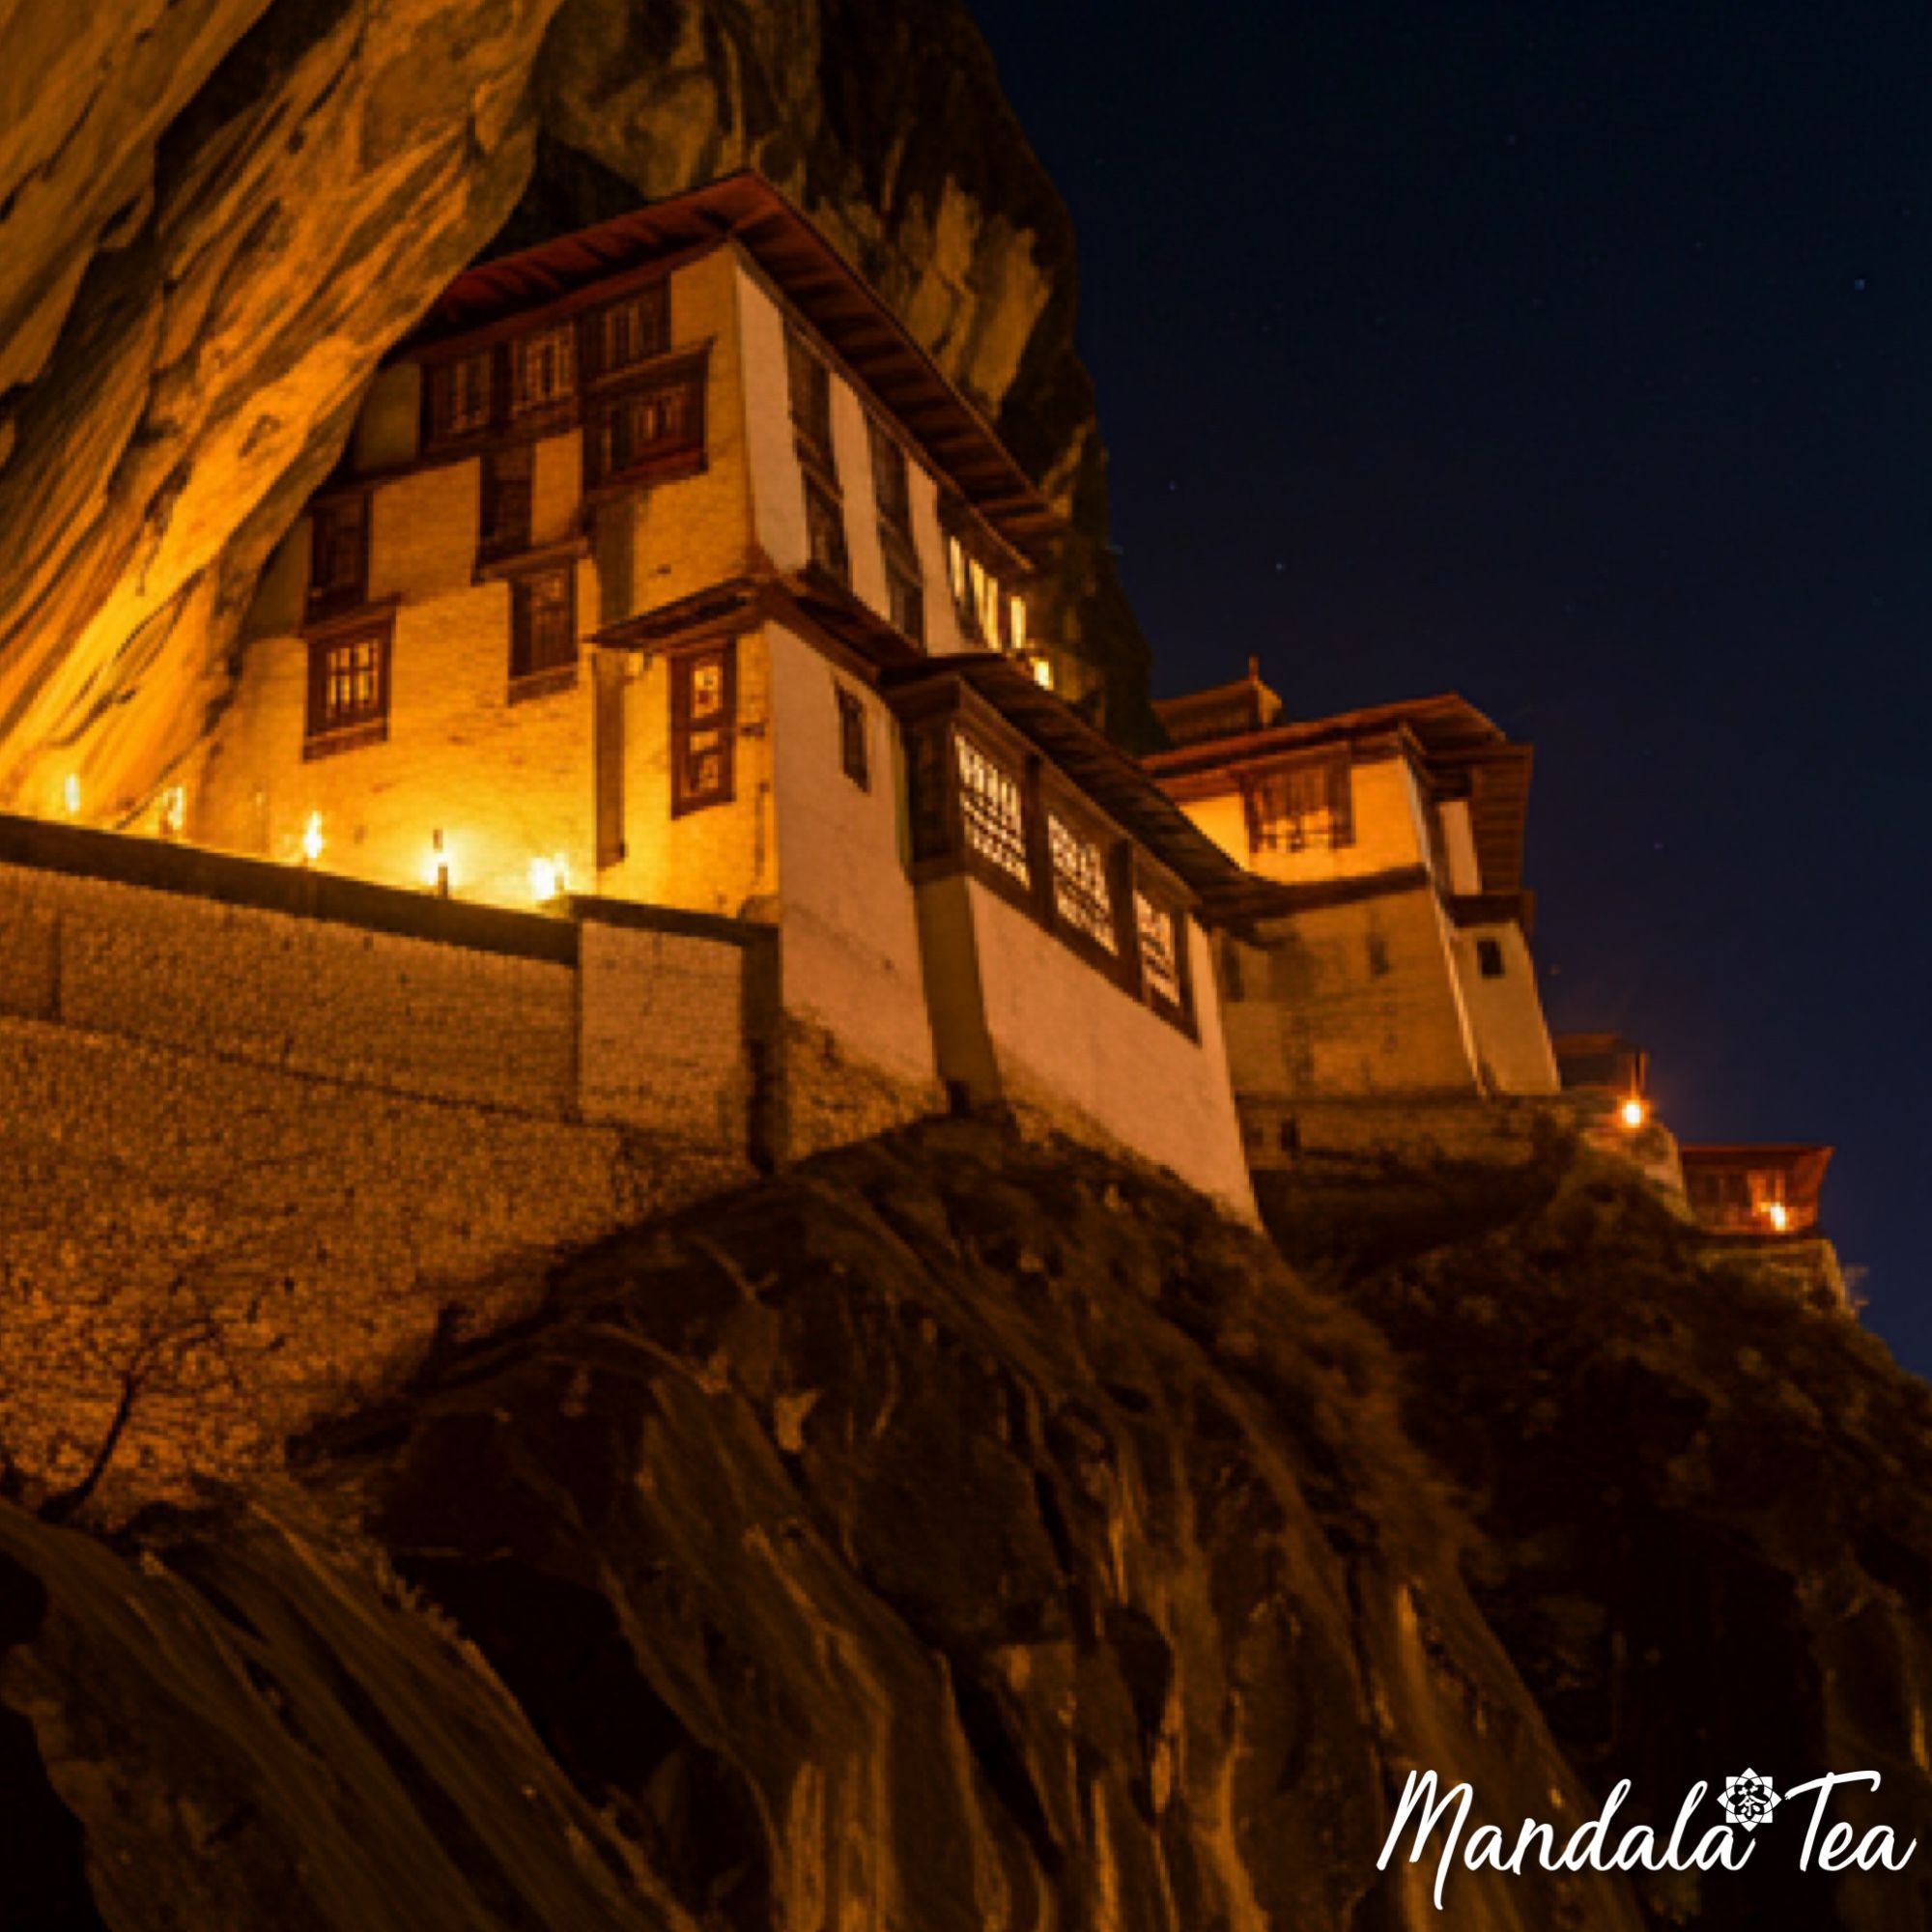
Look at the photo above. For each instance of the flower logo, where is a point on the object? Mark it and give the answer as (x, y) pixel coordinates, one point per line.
(1749, 1800)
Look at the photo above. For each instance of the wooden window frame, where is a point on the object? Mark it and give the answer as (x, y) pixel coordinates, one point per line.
(594, 361)
(1064, 886)
(439, 375)
(891, 464)
(525, 408)
(324, 737)
(1337, 772)
(687, 456)
(334, 600)
(1022, 886)
(823, 497)
(965, 555)
(855, 736)
(495, 544)
(1178, 1008)
(943, 847)
(685, 797)
(905, 591)
(540, 679)
(806, 369)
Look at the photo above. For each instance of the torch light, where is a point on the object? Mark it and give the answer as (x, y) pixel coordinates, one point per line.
(548, 878)
(1633, 1112)
(438, 865)
(1781, 1218)
(312, 841)
(70, 794)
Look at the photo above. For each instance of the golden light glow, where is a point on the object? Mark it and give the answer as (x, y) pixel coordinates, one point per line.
(436, 870)
(550, 878)
(1633, 1113)
(71, 795)
(174, 813)
(312, 839)
(1042, 673)
(1781, 1216)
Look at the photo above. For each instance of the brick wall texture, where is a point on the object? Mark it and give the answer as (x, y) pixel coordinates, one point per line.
(260, 1159)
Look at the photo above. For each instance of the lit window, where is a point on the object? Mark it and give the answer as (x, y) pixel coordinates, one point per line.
(991, 808)
(703, 706)
(1306, 808)
(1080, 893)
(989, 613)
(545, 368)
(1160, 950)
(648, 430)
(854, 753)
(347, 687)
(338, 554)
(633, 330)
(543, 626)
(986, 601)
(505, 518)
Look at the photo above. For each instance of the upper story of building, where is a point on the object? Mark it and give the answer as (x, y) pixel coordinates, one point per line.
(1430, 786)
(697, 392)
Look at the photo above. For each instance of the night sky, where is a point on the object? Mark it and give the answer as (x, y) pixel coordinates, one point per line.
(1573, 358)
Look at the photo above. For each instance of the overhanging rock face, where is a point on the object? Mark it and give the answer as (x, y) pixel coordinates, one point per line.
(216, 220)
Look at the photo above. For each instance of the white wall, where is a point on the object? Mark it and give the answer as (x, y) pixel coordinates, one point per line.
(1506, 1015)
(777, 487)
(1073, 1045)
(851, 960)
(1459, 844)
(1388, 829)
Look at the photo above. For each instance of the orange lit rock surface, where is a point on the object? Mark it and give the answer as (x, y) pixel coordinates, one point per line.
(209, 234)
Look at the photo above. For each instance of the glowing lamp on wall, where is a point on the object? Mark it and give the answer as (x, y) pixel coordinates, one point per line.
(312, 841)
(550, 878)
(173, 813)
(1633, 1112)
(1042, 673)
(71, 795)
(1781, 1218)
(435, 872)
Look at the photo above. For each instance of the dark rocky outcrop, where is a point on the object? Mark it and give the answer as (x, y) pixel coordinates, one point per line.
(954, 1533)
(217, 214)
(949, 1534)
(1704, 1506)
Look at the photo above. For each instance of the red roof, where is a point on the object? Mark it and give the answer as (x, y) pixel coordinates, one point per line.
(825, 288)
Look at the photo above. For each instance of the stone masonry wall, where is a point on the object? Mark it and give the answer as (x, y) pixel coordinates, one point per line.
(256, 1154)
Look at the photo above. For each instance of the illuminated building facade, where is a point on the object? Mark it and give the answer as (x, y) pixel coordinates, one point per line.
(664, 568)
(1385, 982)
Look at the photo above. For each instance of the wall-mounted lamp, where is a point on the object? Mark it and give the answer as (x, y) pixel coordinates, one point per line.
(173, 813)
(438, 865)
(312, 841)
(1633, 1112)
(550, 878)
(70, 794)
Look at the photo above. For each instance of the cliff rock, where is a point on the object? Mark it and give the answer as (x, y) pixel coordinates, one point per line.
(947, 1534)
(957, 1533)
(216, 215)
